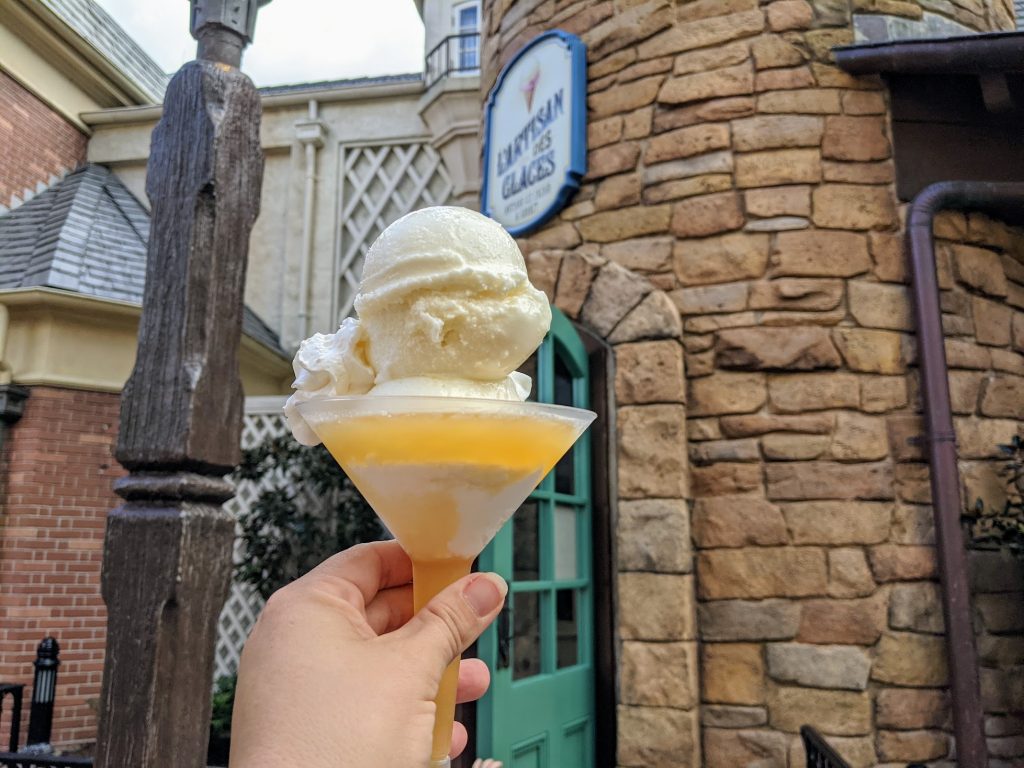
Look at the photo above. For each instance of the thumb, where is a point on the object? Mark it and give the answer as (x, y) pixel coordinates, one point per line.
(455, 618)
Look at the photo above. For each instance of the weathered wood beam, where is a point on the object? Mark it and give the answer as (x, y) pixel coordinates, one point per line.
(167, 555)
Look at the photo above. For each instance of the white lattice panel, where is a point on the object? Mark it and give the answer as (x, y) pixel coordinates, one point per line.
(263, 419)
(379, 184)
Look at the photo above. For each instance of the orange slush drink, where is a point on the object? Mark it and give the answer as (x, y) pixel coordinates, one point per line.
(444, 483)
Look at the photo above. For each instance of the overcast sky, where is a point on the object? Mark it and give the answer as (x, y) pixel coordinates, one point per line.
(296, 40)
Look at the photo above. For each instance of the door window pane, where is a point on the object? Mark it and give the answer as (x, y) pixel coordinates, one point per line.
(565, 476)
(525, 543)
(530, 369)
(566, 566)
(526, 635)
(568, 632)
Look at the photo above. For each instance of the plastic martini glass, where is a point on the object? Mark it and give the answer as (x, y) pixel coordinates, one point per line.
(444, 474)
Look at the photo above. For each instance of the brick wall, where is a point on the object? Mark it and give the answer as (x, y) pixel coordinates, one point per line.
(735, 169)
(35, 142)
(59, 467)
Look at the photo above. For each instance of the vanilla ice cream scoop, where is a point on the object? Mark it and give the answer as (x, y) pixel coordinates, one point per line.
(445, 308)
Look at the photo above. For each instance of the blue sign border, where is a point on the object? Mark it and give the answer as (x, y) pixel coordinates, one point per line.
(578, 130)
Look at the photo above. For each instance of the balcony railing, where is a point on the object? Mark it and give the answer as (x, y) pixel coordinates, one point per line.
(455, 55)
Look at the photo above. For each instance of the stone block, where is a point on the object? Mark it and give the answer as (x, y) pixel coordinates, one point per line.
(729, 748)
(1003, 395)
(1008, 361)
(914, 746)
(916, 607)
(649, 372)
(797, 481)
(656, 606)
(980, 438)
(797, 393)
(979, 268)
(778, 167)
(721, 259)
(700, 86)
(687, 142)
(612, 159)
(1000, 651)
(853, 206)
(864, 103)
(732, 673)
(703, 429)
(703, 33)
(783, 446)
(871, 351)
(839, 713)
(680, 189)
(813, 253)
(624, 223)
(614, 292)
(786, 15)
(801, 349)
(842, 622)
(855, 139)
(908, 708)
(888, 252)
(964, 388)
(1018, 331)
(910, 659)
(777, 132)
(892, 562)
(710, 58)
(707, 215)
(746, 620)
(995, 571)
(1004, 725)
(618, 191)
(603, 132)
(713, 163)
(732, 716)
(648, 254)
(656, 317)
(881, 305)
(742, 521)
(620, 99)
(574, 280)
(714, 451)
(657, 737)
(912, 483)
(654, 535)
(784, 79)
(879, 394)
(796, 293)
(543, 267)
(967, 354)
(819, 666)
(652, 451)
(763, 423)
(849, 574)
(991, 322)
(711, 299)
(726, 392)
(1002, 690)
(860, 438)
(808, 101)
(913, 524)
(778, 201)
(772, 51)
(858, 173)
(762, 572)
(659, 674)
(838, 522)
(727, 479)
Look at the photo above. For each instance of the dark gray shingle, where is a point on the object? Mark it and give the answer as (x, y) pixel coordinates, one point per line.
(88, 234)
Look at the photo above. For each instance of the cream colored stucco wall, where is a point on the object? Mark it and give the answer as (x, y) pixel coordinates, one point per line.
(369, 115)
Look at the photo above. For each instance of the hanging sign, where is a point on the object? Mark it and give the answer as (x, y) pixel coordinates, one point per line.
(535, 133)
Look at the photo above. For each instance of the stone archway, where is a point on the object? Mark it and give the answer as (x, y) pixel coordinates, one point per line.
(655, 625)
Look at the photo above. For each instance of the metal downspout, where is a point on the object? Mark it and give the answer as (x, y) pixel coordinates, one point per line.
(968, 718)
(312, 141)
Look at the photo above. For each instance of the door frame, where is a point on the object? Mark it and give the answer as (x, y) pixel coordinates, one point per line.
(604, 517)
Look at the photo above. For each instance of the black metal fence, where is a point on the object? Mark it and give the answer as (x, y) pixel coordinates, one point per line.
(819, 753)
(456, 54)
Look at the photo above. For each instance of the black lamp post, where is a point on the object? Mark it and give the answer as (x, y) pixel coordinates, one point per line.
(44, 691)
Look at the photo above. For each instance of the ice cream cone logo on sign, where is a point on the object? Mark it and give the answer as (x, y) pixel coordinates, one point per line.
(529, 85)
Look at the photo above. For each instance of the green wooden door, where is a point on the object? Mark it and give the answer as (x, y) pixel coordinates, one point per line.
(539, 712)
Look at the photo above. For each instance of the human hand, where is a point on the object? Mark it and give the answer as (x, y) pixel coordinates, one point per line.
(338, 673)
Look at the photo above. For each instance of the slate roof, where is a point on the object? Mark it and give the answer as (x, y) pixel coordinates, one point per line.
(354, 82)
(99, 29)
(1019, 7)
(88, 234)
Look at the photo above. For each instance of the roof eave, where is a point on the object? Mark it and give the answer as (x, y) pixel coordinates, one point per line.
(992, 53)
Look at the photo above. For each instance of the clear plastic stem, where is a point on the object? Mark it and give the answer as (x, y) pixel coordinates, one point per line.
(428, 579)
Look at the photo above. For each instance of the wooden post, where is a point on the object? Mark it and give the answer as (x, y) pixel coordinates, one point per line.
(167, 556)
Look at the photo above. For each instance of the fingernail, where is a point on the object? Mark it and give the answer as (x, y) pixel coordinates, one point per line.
(485, 593)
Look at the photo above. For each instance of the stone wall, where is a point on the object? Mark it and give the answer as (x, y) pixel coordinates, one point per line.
(976, 15)
(738, 171)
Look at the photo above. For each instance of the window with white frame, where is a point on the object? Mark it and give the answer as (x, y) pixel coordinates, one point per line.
(466, 24)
